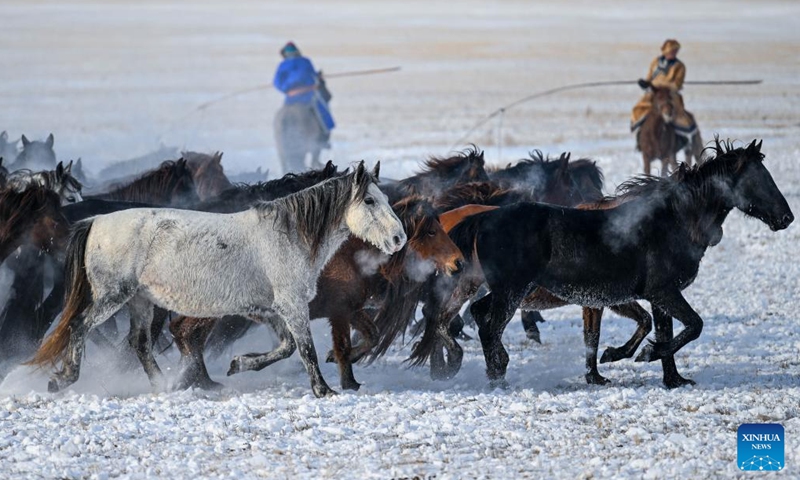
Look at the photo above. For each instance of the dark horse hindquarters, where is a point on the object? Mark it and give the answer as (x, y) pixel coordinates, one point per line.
(647, 248)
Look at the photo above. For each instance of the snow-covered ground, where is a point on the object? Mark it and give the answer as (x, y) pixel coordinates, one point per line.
(113, 80)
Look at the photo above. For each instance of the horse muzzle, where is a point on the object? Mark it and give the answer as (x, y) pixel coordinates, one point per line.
(783, 223)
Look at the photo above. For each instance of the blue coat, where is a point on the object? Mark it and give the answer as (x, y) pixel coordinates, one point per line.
(298, 72)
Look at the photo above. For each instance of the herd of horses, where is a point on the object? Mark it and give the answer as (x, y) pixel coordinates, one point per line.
(181, 245)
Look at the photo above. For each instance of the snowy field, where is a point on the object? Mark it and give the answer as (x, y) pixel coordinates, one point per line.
(113, 81)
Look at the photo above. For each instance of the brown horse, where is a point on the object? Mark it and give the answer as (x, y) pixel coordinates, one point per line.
(356, 274)
(33, 217)
(3, 174)
(170, 185)
(207, 173)
(657, 138)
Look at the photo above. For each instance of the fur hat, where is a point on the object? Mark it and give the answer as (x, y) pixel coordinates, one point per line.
(290, 50)
(670, 45)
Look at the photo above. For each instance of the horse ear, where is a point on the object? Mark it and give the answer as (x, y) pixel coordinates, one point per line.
(78, 164)
(69, 167)
(360, 172)
(218, 157)
(377, 170)
(330, 167)
(4, 136)
(479, 159)
(25, 141)
(50, 140)
(758, 146)
(60, 169)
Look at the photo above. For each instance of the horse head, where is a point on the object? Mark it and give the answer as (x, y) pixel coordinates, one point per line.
(754, 190)
(662, 103)
(368, 214)
(65, 184)
(36, 154)
(433, 250)
(207, 173)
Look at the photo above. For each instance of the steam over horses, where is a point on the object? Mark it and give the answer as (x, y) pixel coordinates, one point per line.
(257, 263)
(647, 248)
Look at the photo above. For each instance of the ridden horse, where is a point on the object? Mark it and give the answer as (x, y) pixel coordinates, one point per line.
(440, 174)
(35, 155)
(261, 262)
(357, 273)
(207, 173)
(649, 248)
(171, 184)
(657, 138)
(298, 132)
(61, 181)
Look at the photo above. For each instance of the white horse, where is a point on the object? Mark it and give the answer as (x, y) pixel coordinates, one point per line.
(258, 263)
(59, 181)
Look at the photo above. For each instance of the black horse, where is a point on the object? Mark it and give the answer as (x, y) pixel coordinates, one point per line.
(646, 248)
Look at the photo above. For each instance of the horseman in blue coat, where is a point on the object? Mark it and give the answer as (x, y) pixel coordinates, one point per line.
(301, 83)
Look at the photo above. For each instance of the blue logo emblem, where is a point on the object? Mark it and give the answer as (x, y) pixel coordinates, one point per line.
(760, 447)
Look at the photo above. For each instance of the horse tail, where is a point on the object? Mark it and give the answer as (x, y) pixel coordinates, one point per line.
(396, 311)
(76, 299)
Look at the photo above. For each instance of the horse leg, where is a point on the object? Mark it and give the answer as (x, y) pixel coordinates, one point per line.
(592, 318)
(298, 324)
(363, 323)
(492, 313)
(530, 318)
(665, 346)
(441, 368)
(646, 159)
(95, 314)
(342, 349)
(139, 338)
(190, 336)
(663, 325)
(259, 361)
(644, 323)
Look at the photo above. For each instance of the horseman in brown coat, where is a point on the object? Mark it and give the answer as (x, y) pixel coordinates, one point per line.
(666, 71)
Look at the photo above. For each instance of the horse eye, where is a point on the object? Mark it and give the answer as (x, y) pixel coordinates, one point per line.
(431, 233)
(369, 201)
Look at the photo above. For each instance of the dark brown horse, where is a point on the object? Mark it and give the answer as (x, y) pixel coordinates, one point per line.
(440, 174)
(33, 217)
(658, 140)
(3, 174)
(31, 223)
(171, 184)
(207, 173)
(357, 274)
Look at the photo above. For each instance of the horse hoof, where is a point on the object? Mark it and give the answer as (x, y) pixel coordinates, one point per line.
(596, 379)
(677, 381)
(236, 366)
(611, 354)
(534, 335)
(52, 386)
(647, 354)
(330, 358)
(351, 385)
(500, 383)
(323, 391)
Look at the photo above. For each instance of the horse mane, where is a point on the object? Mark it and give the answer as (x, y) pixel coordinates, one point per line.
(47, 177)
(18, 209)
(314, 212)
(480, 193)
(241, 195)
(448, 165)
(160, 181)
(691, 191)
(402, 293)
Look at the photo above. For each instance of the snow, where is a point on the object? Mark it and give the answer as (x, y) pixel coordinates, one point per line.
(113, 80)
